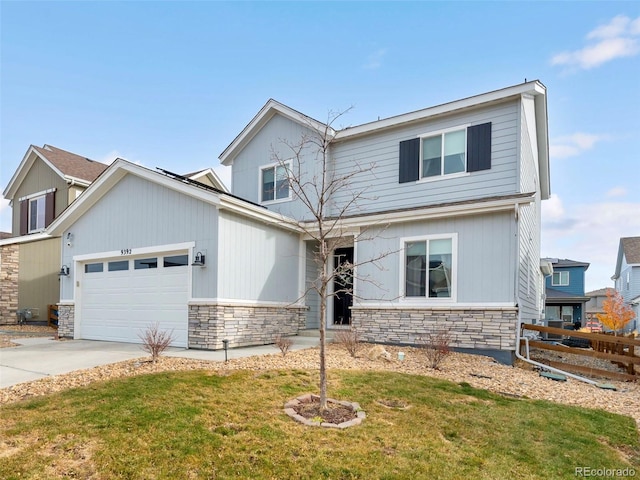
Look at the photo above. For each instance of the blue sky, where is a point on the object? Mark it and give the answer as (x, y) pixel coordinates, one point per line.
(170, 84)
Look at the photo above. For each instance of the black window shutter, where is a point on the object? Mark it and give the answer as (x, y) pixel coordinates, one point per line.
(24, 217)
(479, 147)
(49, 208)
(409, 160)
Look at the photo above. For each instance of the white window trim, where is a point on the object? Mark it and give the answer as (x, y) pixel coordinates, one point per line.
(287, 165)
(454, 268)
(37, 194)
(553, 284)
(441, 133)
(35, 199)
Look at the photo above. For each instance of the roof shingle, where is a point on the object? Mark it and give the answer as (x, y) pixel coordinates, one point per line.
(71, 164)
(631, 249)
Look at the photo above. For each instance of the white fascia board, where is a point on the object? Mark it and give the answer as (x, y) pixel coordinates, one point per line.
(25, 239)
(395, 305)
(429, 213)
(71, 180)
(173, 247)
(111, 176)
(542, 132)
(22, 170)
(258, 213)
(534, 88)
(260, 120)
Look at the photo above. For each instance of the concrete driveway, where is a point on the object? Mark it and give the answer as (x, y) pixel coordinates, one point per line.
(37, 358)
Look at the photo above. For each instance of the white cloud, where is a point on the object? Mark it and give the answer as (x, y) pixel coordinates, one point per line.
(374, 60)
(113, 155)
(616, 39)
(572, 145)
(617, 192)
(589, 233)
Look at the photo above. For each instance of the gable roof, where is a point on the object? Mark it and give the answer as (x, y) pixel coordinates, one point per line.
(69, 166)
(601, 292)
(534, 88)
(630, 248)
(210, 175)
(120, 168)
(266, 113)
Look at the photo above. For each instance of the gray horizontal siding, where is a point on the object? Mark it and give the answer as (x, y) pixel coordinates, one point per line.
(137, 213)
(378, 155)
(486, 258)
(257, 262)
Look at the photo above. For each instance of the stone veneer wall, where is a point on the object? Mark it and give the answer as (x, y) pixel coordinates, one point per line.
(66, 318)
(475, 329)
(241, 325)
(9, 269)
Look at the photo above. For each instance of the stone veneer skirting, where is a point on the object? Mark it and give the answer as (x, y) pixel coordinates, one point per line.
(242, 325)
(470, 328)
(66, 318)
(9, 270)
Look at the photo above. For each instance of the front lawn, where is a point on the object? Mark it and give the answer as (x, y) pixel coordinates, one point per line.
(203, 425)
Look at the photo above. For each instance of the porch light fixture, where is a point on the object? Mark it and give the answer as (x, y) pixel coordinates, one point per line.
(198, 261)
(64, 271)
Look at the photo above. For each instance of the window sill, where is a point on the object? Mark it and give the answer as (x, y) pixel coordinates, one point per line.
(272, 202)
(443, 177)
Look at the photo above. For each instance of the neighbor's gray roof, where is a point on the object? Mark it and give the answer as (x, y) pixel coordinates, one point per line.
(554, 296)
(601, 292)
(565, 262)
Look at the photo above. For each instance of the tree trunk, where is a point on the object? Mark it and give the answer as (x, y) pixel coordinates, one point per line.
(323, 329)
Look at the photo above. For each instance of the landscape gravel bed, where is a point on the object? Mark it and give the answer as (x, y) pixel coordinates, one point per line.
(478, 371)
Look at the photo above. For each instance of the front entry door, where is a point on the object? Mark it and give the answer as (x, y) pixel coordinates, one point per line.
(343, 286)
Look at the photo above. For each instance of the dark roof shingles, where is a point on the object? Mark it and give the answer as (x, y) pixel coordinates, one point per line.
(631, 249)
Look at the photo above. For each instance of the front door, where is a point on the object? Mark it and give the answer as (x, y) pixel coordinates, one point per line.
(343, 287)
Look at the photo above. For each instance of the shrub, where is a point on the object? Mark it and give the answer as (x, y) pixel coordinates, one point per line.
(349, 340)
(283, 343)
(436, 347)
(155, 341)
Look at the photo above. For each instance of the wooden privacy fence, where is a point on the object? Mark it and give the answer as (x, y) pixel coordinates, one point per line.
(623, 351)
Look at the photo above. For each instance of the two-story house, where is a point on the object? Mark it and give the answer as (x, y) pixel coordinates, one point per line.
(565, 300)
(448, 203)
(627, 275)
(46, 181)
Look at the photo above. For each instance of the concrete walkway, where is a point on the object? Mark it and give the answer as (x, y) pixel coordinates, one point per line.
(39, 357)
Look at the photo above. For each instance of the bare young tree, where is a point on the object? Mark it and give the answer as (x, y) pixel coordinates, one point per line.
(314, 182)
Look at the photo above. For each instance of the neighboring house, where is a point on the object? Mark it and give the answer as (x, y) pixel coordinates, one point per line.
(47, 180)
(627, 276)
(564, 289)
(595, 304)
(149, 247)
(454, 197)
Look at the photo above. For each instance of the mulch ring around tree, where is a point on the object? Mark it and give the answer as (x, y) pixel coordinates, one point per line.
(338, 414)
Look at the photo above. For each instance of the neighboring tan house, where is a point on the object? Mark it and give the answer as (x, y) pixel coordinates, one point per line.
(47, 180)
(451, 204)
(564, 289)
(627, 276)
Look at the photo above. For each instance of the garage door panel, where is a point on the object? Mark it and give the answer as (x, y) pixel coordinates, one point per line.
(121, 305)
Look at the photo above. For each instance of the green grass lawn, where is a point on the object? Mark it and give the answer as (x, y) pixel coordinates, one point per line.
(202, 425)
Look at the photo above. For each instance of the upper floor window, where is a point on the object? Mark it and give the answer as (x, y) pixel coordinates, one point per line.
(37, 213)
(438, 154)
(444, 154)
(429, 267)
(274, 183)
(560, 279)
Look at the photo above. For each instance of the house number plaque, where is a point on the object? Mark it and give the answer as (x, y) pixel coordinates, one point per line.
(125, 251)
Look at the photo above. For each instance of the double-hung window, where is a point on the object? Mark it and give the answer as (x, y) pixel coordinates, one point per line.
(429, 267)
(444, 153)
(274, 182)
(37, 213)
(560, 279)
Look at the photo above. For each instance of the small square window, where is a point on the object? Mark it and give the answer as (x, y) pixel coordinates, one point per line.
(444, 154)
(274, 183)
(560, 279)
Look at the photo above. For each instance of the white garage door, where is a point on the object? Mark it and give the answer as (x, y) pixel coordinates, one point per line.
(121, 298)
